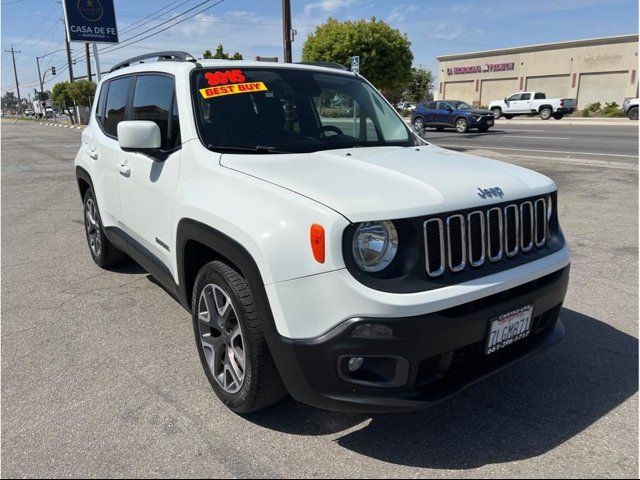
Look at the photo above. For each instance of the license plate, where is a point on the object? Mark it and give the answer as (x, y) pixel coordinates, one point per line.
(509, 328)
(490, 122)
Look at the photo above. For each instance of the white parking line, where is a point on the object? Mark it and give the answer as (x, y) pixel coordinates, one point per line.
(567, 153)
(539, 137)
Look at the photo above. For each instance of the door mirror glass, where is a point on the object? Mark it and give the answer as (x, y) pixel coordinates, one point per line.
(139, 136)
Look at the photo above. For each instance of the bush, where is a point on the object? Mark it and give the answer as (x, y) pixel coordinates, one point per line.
(336, 112)
(585, 112)
(594, 107)
(612, 109)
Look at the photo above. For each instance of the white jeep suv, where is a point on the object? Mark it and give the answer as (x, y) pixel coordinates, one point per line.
(322, 248)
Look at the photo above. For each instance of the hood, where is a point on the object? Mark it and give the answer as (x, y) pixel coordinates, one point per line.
(382, 183)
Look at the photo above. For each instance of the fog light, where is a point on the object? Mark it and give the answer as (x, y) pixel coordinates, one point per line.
(372, 330)
(355, 364)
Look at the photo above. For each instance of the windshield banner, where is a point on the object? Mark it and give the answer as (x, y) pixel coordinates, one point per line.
(251, 87)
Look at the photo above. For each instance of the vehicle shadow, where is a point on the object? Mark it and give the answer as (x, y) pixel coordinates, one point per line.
(523, 412)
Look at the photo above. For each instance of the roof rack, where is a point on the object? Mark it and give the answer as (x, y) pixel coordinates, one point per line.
(161, 56)
(325, 64)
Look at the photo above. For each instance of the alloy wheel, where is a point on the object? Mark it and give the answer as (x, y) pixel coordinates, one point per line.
(418, 123)
(461, 125)
(221, 338)
(93, 227)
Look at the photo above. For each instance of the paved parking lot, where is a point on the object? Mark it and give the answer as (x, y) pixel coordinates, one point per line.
(100, 376)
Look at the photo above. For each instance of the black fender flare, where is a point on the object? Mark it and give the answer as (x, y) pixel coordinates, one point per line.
(550, 107)
(82, 174)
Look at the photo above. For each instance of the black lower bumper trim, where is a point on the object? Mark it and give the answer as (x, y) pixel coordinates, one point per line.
(444, 351)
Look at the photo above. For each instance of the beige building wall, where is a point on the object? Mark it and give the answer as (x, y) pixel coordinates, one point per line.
(600, 69)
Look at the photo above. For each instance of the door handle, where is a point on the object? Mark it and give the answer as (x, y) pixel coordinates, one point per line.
(124, 170)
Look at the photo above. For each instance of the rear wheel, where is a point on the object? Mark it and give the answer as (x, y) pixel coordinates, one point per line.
(558, 116)
(508, 117)
(462, 125)
(102, 250)
(545, 113)
(230, 341)
(497, 113)
(633, 113)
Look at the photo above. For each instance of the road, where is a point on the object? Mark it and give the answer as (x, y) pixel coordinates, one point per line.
(549, 139)
(100, 376)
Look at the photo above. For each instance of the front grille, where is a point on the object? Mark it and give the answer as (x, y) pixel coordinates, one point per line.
(456, 242)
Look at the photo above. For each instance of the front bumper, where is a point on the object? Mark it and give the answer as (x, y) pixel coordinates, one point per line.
(442, 352)
(485, 121)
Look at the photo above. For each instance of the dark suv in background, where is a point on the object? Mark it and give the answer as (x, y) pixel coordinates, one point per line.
(451, 113)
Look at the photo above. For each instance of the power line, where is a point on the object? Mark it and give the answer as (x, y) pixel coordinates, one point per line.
(152, 16)
(109, 50)
(42, 22)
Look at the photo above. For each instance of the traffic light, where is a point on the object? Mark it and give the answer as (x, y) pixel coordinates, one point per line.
(53, 70)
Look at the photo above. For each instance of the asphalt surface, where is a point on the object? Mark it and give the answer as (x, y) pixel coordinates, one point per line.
(552, 138)
(100, 376)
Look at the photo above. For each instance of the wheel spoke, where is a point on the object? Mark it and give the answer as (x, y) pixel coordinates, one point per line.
(221, 337)
(221, 300)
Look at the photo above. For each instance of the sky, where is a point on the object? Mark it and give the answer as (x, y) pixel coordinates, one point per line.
(253, 27)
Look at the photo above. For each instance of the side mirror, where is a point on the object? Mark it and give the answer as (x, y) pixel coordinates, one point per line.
(140, 136)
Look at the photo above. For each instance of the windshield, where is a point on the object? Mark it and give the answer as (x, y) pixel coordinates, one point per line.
(282, 110)
(461, 106)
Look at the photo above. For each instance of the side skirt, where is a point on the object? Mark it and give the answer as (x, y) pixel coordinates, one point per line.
(147, 260)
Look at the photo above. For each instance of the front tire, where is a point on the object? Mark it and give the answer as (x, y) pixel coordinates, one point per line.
(230, 341)
(546, 113)
(418, 123)
(558, 116)
(462, 125)
(102, 250)
(633, 113)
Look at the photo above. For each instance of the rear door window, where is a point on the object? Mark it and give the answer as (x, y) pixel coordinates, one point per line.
(116, 104)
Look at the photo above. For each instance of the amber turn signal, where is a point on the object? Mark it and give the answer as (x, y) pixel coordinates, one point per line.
(317, 242)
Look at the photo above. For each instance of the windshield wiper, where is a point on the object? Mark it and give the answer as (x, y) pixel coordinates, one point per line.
(236, 148)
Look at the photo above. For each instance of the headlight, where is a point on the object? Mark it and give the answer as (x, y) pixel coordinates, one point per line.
(375, 245)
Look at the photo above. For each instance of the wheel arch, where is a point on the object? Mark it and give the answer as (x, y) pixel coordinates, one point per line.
(194, 239)
(542, 107)
(84, 181)
(198, 244)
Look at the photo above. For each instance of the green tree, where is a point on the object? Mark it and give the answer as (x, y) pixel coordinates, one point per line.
(385, 53)
(221, 54)
(10, 101)
(82, 92)
(421, 84)
(61, 97)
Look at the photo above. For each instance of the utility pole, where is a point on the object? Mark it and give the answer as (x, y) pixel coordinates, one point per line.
(287, 32)
(69, 59)
(15, 73)
(86, 49)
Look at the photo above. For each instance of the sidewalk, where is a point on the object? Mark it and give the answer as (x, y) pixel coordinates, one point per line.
(568, 121)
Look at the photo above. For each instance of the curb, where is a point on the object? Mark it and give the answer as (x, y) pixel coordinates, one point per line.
(59, 125)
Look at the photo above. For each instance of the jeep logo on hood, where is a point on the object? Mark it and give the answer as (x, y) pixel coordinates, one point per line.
(493, 192)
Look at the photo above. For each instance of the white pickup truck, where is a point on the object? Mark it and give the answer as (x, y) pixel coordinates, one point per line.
(532, 103)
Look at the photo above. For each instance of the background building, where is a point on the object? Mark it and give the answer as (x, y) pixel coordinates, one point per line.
(593, 70)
